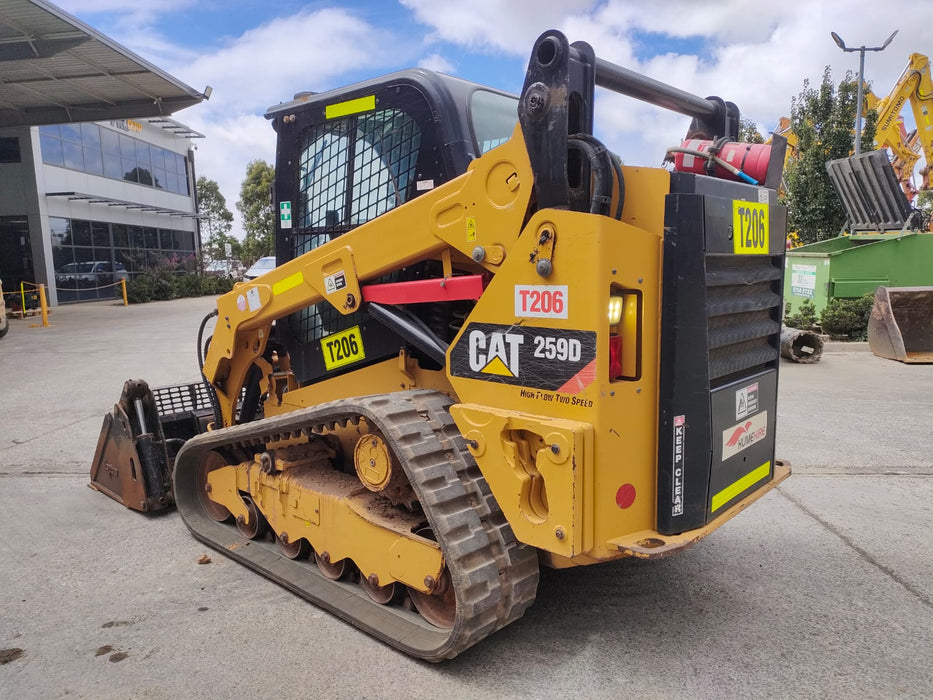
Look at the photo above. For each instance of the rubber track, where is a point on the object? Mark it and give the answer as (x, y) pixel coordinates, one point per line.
(494, 577)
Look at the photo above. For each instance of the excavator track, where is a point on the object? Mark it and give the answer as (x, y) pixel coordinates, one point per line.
(494, 578)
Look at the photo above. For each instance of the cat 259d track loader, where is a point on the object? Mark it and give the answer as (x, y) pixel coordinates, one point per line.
(488, 346)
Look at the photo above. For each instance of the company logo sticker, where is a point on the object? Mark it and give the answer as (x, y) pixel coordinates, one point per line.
(543, 358)
(744, 435)
(496, 353)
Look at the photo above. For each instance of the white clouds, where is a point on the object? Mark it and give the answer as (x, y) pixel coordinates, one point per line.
(268, 64)
(128, 17)
(509, 27)
(755, 54)
(262, 67)
(439, 63)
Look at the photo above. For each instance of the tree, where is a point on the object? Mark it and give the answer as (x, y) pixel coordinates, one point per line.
(748, 132)
(255, 206)
(822, 120)
(216, 220)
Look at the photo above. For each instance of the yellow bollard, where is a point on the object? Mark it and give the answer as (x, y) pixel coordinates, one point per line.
(44, 306)
(22, 295)
(123, 284)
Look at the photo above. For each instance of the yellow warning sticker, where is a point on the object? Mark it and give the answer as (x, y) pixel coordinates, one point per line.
(471, 229)
(749, 228)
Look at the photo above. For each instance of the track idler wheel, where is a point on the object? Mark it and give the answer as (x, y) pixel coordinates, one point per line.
(440, 606)
(256, 526)
(208, 462)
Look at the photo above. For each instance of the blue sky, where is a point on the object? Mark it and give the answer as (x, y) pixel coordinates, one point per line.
(256, 53)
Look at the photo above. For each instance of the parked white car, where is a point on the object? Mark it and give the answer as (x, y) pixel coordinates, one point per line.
(93, 273)
(225, 268)
(260, 267)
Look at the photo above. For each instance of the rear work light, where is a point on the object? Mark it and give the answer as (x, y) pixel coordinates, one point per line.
(624, 334)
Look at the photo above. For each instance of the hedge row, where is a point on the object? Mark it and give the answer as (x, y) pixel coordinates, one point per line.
(163, 283)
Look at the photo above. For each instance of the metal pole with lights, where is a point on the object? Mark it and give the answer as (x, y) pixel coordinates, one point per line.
(861, 78)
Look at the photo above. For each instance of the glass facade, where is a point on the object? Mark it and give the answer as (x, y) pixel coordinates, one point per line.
(90, 257)
(93, 149)
(9, 149)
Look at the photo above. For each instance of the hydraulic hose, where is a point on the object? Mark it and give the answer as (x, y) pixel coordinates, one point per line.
(602, 164)
(211, 392)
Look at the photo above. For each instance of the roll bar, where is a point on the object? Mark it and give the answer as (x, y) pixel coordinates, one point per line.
(557, 103)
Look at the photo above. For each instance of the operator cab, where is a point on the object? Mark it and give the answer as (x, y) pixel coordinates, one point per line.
(346, 156)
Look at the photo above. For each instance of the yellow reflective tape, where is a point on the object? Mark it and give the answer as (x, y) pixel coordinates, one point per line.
(289, 282)
(733, 490)
(342, 109)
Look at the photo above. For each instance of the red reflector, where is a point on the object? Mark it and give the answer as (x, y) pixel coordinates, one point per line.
(615, 356)
(625, 496)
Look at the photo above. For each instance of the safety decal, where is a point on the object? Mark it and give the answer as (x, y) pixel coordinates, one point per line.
(746, 401)
(252, 299)
(746, 434)
(335, 282)
(677, 467)
(285, 214)
(541, 358)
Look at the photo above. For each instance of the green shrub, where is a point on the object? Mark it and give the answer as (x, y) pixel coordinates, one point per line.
(216, 285)
(166, 281)
(153, 284)
(804, 319)
(847, 318)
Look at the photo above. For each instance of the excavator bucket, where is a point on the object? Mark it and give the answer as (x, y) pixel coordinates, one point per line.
(901, 324)
(131, 464)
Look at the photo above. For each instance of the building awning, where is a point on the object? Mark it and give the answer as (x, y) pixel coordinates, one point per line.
(110, 202)
(56, 69)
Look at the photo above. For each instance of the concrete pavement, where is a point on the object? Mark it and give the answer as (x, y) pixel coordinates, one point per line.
(822, 589)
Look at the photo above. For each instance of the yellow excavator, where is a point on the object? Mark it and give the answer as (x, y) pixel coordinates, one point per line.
(914, 86)
(488, 346)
